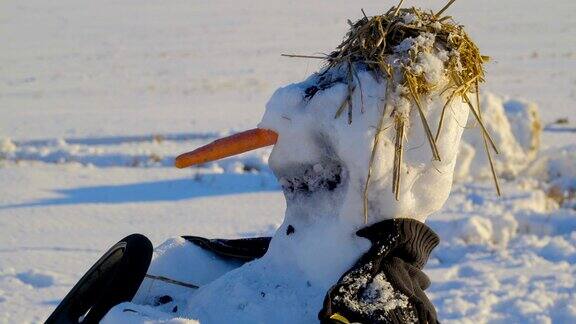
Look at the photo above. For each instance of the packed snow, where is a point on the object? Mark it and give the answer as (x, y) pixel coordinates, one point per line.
(97, 99)
(381, 295)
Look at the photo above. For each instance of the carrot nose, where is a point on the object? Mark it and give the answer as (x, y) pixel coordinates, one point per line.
(228, 146)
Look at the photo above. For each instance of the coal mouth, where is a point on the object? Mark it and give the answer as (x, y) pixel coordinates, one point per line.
(309, 179)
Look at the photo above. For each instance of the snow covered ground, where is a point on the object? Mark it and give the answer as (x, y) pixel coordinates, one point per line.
(97, 98)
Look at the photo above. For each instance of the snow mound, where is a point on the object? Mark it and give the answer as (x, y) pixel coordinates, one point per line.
(484, 230)
(515, 127)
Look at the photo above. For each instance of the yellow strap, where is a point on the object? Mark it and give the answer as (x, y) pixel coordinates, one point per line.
(339, 318)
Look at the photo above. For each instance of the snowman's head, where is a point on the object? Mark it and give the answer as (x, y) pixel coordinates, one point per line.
(361, 140)
(322, 160)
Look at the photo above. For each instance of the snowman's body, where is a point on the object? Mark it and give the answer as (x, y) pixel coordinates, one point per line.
(322, 163)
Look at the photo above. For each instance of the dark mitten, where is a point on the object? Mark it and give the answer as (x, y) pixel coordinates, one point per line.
(386, 285)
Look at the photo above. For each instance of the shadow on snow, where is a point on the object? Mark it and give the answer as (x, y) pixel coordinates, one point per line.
(117, 140)
(158, 191)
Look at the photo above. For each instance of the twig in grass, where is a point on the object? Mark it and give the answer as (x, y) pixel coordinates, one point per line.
(304, 56)
(398, 151)
(486, 148)
(441, 11)
(485, 132)
(411, 86)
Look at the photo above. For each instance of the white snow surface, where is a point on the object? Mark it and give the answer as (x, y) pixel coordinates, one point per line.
(514, 125)
(97, 98)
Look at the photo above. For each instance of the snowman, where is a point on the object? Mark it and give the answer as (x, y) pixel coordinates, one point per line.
(365, 150)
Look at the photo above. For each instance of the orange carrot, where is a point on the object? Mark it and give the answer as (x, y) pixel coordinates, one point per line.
(228, 146)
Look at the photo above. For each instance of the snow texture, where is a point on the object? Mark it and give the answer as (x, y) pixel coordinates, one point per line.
(515, 127)
(380, 295)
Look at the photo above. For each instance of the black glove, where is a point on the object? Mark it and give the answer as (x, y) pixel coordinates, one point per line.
(387, 284)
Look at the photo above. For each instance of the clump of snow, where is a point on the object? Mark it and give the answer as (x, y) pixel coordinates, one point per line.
(409, 18)
(379, 295)
(475, 230)
(427, 63)
(525, 123)
(484, 230)
(537, 201)
(466, 155)
(431, 66)
(515, 127)
(376, 297)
